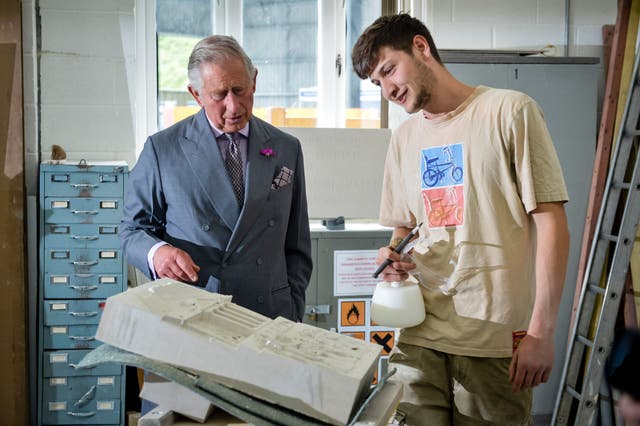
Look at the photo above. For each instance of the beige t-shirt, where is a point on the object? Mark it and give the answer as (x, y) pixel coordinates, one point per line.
(471, 177)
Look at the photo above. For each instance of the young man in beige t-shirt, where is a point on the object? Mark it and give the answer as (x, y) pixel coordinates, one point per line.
(476, 166)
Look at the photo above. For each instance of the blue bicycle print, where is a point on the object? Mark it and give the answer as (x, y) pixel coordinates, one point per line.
(440, 166)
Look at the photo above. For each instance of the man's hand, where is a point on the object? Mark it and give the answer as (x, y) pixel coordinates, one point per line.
(397, 269)
(531, 363)
(629, 409)
(171, 262)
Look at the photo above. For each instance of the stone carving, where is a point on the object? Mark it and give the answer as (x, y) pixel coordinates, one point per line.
(304, 368)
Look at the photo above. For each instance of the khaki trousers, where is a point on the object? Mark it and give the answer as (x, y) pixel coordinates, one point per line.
(444, 389)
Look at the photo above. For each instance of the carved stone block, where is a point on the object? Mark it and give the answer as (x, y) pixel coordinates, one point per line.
(304, 368)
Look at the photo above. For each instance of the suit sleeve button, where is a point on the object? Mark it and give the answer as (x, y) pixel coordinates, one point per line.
(259, 261)
(260, 299)
(205, 227)
(272, 222)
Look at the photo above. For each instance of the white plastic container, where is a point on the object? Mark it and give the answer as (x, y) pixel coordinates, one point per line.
(397, 304)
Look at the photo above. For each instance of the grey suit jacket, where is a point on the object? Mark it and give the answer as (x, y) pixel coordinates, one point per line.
(179, 192)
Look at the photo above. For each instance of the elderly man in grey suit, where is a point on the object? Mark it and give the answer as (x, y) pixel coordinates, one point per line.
(218, 199)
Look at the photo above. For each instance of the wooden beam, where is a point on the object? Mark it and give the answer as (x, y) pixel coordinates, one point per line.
(604, 142)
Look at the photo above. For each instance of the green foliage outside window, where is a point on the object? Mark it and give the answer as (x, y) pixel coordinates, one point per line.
(173, 56)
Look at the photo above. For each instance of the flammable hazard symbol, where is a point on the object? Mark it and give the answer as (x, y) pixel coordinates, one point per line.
(352, 313)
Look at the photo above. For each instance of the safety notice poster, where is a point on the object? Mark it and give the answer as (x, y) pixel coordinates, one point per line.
(353, 272)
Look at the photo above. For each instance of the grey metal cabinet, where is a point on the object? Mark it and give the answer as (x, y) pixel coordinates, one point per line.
(80, 265)
(322, 304)
(566, 88)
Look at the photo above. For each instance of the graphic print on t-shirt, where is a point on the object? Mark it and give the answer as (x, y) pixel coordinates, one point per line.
(441, 180)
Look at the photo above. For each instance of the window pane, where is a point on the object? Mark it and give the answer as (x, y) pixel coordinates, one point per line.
(180, 24)
(362, 96)
(280, 37)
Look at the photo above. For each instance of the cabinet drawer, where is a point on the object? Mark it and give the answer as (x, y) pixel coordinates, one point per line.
(105, 411)
(72, 312)
(82, 210)
(74, 184)
(62, 364)
(83, 261)
(69, 235)
(70, 337)
(82, 286)
(81, 389)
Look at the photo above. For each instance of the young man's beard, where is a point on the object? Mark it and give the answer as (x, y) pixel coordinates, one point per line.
(423, 84)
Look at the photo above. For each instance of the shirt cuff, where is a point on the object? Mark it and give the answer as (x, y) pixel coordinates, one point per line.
(150, 255)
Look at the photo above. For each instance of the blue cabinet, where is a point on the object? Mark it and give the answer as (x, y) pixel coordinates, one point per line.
(80, 265)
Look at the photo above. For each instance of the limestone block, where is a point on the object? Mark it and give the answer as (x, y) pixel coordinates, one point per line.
(304, 368)
(175, 397)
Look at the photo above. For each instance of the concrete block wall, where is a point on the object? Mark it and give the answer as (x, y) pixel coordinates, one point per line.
(520, 24)
(87, 54)
(523, 25)
(30, 96)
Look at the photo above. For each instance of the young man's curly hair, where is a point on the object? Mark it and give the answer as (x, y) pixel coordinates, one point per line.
(394, 31)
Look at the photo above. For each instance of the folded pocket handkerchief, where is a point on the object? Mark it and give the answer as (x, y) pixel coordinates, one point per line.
(284, 178)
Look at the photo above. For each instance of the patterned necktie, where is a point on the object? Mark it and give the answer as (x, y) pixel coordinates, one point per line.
(233, 163)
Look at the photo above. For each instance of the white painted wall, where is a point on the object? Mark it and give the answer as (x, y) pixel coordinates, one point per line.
(87, 52)
(519, 24)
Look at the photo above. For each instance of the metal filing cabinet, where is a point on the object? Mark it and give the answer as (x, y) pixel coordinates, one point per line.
(321, 302)
(324, 306)
(80, 266)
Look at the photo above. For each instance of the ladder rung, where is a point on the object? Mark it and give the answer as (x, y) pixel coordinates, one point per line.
(614, 260)
(584, 341)
(621, 185)
(571, 391)
(596, 288)
(609, 237)
(605, 398)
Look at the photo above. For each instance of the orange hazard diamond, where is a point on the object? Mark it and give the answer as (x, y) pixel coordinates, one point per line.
(352, 313)
(384, 339)
(355, 334)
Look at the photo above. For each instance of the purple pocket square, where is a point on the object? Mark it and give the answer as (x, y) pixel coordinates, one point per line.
(285, 176)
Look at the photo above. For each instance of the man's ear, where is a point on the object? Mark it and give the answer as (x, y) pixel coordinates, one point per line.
(255, 75)
(421, 46)
(195, 94)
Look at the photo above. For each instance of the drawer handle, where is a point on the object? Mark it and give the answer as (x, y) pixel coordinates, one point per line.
(84, 262)
(85, 237)
(83, 314)
(75, 366)
(89, 414)
(83, 288)
(83, 338)
(92, 212)
(82, 185)
(86, 397)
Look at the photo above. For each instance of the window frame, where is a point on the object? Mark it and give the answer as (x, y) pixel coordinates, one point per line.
(228, 20)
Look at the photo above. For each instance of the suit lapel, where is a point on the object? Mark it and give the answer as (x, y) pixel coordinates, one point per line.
(202, 153)
(260, 172)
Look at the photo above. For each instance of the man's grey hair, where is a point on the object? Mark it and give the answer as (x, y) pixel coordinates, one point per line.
(215, 49)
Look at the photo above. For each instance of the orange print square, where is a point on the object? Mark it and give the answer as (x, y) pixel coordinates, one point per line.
(352, 313)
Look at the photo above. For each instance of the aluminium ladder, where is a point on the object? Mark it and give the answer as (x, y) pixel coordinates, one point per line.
(608, 263)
